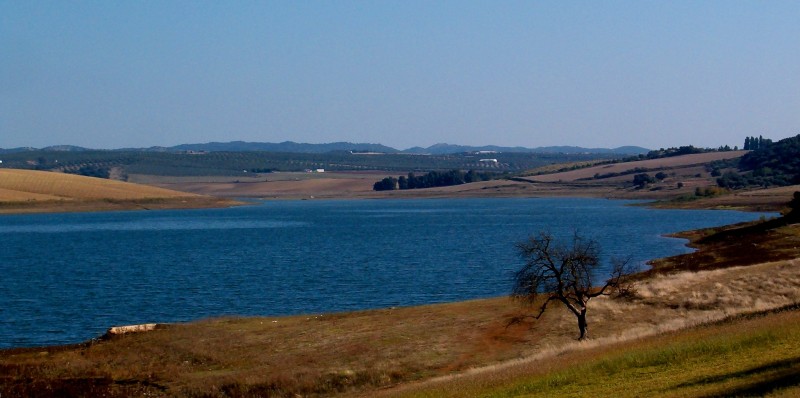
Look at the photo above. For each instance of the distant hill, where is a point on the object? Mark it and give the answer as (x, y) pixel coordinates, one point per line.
(295, 147)
(17, 150)
(286, 146)
(65, 148)
(441, 149)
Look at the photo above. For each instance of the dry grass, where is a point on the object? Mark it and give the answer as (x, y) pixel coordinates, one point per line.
(19, 183)
(769, 199)
(753, 355)
(662, 304)
(10, 195)
(41, 191)
(308, 354)
(744, 244)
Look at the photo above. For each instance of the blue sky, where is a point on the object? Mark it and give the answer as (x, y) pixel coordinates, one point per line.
(108, 74)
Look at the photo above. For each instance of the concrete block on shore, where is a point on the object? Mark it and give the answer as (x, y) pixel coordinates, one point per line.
(120, 330)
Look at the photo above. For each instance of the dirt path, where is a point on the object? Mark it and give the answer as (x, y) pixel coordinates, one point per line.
(661, 304)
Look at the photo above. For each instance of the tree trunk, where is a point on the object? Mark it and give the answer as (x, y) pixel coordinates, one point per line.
(582, 325)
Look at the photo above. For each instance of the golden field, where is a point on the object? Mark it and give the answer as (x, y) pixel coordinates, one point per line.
(41, 191)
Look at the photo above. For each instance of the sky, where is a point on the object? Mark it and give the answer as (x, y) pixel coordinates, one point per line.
(115, 74)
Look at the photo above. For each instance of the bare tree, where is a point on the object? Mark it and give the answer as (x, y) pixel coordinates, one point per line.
(565, 274)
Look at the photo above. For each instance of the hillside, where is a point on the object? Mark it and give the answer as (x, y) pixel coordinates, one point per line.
(769, 164)
(667, 163)
(37, 191)
(242, 163)
(682, 175)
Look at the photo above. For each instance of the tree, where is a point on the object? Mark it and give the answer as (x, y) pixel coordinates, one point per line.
(642, 179)
(565, 274)
(402, 182)
(386, 184)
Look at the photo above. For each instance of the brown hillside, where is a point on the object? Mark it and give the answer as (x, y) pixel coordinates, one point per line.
(43, 191)
(31, 185)
(663, 163)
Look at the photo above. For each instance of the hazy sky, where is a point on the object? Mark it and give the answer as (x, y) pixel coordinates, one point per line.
(110, 74)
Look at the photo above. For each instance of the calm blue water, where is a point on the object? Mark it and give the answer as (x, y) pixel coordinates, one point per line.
(65, 278)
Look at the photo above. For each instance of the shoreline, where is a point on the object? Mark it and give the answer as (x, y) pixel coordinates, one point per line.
(90, 206)
(190, 203)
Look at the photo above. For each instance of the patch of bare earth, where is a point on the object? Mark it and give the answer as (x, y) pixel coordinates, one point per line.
(274, 185)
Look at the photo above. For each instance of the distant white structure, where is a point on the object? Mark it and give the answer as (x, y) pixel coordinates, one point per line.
(484, 152)
(489, 161)
(320, 170)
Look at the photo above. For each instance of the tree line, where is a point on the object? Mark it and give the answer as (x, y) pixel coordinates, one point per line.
(753, 143)
(432, 179)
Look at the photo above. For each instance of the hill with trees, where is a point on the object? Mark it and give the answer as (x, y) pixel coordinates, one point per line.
(768, 164)
(121, 163)
(296, 147)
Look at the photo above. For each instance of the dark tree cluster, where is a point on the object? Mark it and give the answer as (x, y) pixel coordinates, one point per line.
(432, 179)
(386, 184)
(91, 171)
(753, 143)
(678, 151)
(641, 180)
(771, 164)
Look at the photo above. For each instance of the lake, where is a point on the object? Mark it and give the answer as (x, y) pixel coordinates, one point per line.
(66, 278)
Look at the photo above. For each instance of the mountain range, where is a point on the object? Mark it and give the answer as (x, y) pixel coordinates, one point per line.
(294, 147)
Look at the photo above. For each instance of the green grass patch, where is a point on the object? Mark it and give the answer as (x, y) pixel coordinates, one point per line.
(750, 357)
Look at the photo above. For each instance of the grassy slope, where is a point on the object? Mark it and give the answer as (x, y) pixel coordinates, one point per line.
(25, 184)
(652, 164)
(29, 190)
(746, 356)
